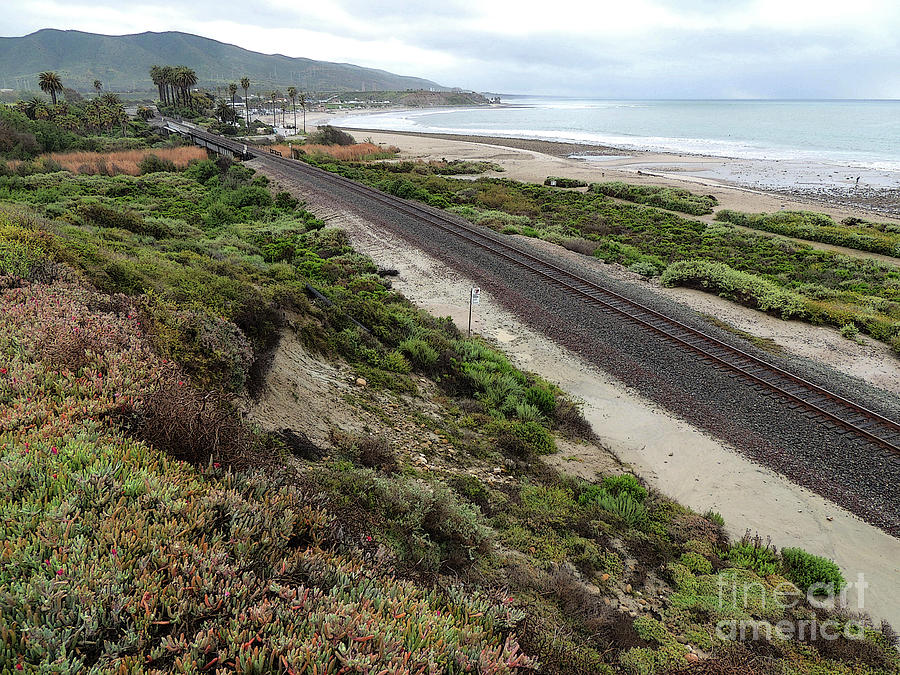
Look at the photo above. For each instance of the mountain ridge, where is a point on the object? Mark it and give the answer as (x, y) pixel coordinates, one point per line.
(122, 62)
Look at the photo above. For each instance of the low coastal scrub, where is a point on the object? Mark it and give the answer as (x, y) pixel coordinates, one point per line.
(149, 528)
(855, 233)
(169, 566)
(557, 181)
(833, 289)
(747, 289)
(453, 167)
(673, 199)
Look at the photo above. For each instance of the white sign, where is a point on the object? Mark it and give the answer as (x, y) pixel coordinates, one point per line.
(476, 296)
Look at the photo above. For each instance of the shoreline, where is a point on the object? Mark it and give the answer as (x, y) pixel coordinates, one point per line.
(880, 201)
(814, 185)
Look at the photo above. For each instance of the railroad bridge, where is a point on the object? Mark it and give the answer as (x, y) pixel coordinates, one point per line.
(217, 144)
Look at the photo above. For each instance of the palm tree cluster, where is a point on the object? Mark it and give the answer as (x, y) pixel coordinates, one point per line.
(174, 84)
(102, 113)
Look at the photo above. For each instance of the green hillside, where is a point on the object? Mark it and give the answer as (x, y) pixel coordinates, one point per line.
(121, 62)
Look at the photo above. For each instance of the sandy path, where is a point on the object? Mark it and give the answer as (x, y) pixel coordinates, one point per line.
(676, 457)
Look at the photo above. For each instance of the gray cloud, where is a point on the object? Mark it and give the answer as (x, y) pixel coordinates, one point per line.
(647, 48)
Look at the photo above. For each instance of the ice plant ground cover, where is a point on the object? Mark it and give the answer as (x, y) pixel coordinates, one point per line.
(117, 556)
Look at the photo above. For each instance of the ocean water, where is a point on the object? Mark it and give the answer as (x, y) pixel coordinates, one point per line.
(851, 134)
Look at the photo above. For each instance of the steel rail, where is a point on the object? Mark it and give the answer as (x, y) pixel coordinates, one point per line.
(843, 412)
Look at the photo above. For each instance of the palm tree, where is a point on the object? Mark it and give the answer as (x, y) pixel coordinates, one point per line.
(232, 89)
(292, 94)
(185, 78)
(168, 80)
(275, 94)
(110, 99)
(157, 75)
(98, 86)
(245, 85)
(223, 112)
(302, 100)
(50, 83)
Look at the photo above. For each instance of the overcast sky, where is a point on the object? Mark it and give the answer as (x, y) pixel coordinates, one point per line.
(605, 48)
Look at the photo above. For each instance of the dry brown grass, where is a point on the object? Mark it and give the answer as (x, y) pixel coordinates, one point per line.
(194, 425)
(352, 153)
(120, 161)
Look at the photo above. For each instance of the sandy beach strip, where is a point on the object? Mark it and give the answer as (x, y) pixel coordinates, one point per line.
(739, 184)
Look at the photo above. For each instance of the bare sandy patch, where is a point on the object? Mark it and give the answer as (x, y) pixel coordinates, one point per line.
(304, 392)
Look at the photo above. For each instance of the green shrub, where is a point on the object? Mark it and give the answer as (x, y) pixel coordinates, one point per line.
(696, 563)
(420, 353)
(201, 171)
(747, 289)
(248, 196)
(625, 483)
(542, 399)
(523, 439)
(20, 253)
(625, 507)
(674, 199)
(105, 216)
(806, 570)
(155, 164)
(286, 201)
(328, 135)
(621, 496)
(852, 232)
(395, 362)
(645, 268)
(564, 182)
(850, 331)
(752, 554)
(715, 517)
(528, 413)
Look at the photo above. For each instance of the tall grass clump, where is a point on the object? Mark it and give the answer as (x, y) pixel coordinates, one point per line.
(357, 152)
(122, 162)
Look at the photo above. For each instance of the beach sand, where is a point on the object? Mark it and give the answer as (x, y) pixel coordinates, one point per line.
(740, 184)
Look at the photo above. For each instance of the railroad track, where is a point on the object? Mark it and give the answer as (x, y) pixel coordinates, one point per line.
(835, 411)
